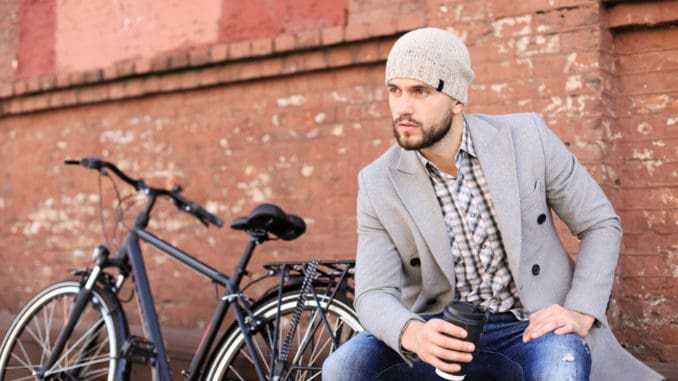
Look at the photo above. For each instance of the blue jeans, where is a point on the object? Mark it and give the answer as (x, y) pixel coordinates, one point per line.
(501, 356)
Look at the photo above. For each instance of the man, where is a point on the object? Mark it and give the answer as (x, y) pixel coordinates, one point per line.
(460, 209)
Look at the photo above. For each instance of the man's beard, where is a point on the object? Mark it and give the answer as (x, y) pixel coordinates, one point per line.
(429, 136)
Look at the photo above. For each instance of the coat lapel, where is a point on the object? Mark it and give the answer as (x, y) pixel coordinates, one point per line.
(494, 147)
(414, 189)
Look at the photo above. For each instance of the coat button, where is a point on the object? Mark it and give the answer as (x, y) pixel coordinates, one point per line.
(431, 301)
(536, 269)
(415, 262)
(541, 219)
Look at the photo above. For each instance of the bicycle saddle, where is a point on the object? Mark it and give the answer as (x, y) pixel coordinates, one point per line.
(271, 219)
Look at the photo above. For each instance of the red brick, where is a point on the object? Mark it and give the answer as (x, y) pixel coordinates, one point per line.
(365, 52)
(660, 222)
(6, 90)
(134, 88)
(93, 76)
(339, 56)
(109, 72)
(178, 60)
(219, 53)
(116, 90)
(124, 68)
(63, 79)
(65, 98)
(315, 60)
(307, 39)
(283, 43)
(356, 32)
(160, 63)
(332, 35)
(262, 46)
(143, 65)
(47, 82)
(77, 78)
(91, 94)
(382, 27)
(629, 42)
(271, 66)
(199, 56)
(651, 198)
(33, 85)
(649, 83)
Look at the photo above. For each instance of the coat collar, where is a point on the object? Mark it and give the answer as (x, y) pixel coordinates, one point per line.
(494, 148)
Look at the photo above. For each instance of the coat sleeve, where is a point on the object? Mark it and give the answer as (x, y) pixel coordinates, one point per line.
(378, 276)
(581, 204)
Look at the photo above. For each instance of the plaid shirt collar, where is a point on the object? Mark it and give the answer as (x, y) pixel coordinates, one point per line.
(465, 146)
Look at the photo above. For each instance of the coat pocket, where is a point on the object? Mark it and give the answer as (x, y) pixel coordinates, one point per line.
(532, 198)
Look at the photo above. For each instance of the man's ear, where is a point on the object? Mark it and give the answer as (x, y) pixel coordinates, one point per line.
(457, 107)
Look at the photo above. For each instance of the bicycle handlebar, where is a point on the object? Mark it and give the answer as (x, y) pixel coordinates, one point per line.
(181, 202)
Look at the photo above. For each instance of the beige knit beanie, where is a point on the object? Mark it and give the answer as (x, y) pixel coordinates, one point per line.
(433, 56)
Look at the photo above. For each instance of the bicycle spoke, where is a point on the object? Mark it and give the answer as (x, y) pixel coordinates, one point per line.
(23, 362)
(64, 358)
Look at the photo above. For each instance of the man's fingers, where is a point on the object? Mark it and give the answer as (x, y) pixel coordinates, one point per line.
(535, 331)
(559, 320)
(447, 328)
(564, 329)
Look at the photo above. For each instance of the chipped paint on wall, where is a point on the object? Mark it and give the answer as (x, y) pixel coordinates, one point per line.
(292, 100)
(646, 157)
(498, 25)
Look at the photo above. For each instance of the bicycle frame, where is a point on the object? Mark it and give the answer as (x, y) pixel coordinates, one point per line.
(132, 250)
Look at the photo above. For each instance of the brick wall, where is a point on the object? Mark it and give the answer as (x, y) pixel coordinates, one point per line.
(644, 137)
(291, 114)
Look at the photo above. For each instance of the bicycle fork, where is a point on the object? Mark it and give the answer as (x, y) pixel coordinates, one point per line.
(81, 301)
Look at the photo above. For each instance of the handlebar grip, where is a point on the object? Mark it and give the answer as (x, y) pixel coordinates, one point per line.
(88, 162)
(204, 214)
(92, 163)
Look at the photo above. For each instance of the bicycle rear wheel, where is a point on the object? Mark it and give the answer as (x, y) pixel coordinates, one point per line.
(91, 353)
(313, 341)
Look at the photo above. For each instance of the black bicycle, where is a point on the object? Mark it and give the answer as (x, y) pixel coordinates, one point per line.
(78, 330)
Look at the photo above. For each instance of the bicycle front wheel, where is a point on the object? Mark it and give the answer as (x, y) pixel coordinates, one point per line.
(324, 324)
(91, 353)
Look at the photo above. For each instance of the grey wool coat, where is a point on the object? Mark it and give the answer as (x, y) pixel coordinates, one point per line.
(404, 263)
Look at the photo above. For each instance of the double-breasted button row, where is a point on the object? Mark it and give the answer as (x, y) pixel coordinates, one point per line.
(536, 269)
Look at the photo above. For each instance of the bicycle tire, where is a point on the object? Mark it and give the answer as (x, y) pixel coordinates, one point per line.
(91, 353)
(311, 346)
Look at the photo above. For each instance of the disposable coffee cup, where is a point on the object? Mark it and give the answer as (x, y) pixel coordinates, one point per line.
(471, 318)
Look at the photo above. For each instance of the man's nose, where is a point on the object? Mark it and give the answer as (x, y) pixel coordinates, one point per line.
(404, 105)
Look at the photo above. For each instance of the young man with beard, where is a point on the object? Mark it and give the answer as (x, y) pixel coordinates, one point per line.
(461, 209)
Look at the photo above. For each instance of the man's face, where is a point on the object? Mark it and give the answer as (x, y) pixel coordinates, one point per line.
(422, 116)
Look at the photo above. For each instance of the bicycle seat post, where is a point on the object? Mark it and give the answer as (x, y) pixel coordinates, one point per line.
(240, 269)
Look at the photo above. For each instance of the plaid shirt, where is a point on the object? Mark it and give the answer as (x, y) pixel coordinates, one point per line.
(481, 268)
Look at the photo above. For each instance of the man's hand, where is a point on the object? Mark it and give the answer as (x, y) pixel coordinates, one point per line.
(438, 343)
(559, 320)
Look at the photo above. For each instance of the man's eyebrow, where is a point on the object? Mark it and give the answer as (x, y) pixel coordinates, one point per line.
(419, 86)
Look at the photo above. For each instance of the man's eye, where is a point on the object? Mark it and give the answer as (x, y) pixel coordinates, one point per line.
(393, 90)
